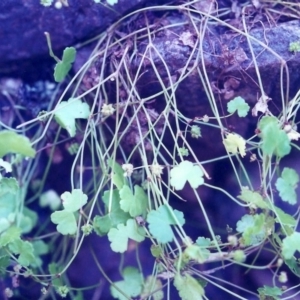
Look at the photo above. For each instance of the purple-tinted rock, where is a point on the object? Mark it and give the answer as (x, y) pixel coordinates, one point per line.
(23, 23)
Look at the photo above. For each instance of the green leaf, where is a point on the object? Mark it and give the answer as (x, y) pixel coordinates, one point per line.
(50, 198)
(63, 67)
(11, 142)
(54, 269)
(196, 253)
(40, 248)
(7, 205)
(10, 235)
(118, 177)
(66, 222)
(293, 264)
(73, 201)
(284, 218)
(102, 224)
(268, 291)
(8, 185)
(67, 111)
(253, 198)
(234, 144)
(188, 287)
(4, 224)
(25, 251)
(160, 221)
(287, 184)
(135, 204)
(131, 286)
(69, 55)
(152, 287)
(4, 262)
(238, 104)
(290, 245)
(203, 242)
(252, 228)
(119, 236)
(186, 171)
(28, 220)
(156, 250)
(65, 218)
(274, 140)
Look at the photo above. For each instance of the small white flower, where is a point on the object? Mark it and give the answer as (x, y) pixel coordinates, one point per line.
(232, 239)
(58, 5)
(206, 118)
(279, 262)
(156, 169)
(283, 277)
(291, 132)
(107, 110)
(128, 168)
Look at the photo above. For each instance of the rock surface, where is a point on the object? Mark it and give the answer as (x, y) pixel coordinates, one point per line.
(23, 23)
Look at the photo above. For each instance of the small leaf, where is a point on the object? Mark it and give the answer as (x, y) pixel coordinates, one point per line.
(54, 269)
(284, 218)
(131, 285)
(186, 171)
(274, 140)
(252, 227)
(10, 235)
(50, 198)
(8, 185)
(11, 142)
(119, 236)
(238, 104)
(102, 224)
(188, 287)
(152, 287)
(69, 55)
(134, 204)
(67, 111)
(203, 242)
(234, 143)
(25, 251)
(290, 245)
(118, 177)
(4, 262)
(66, 222)
(287, 184)
(160, 222)
(156, 250)
(267, 291)
(253, 198)
(28, 220)
(63, 67)
(74, 201)
(196, 253)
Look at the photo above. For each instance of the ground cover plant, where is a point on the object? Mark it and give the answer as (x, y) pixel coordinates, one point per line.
(143, 212)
